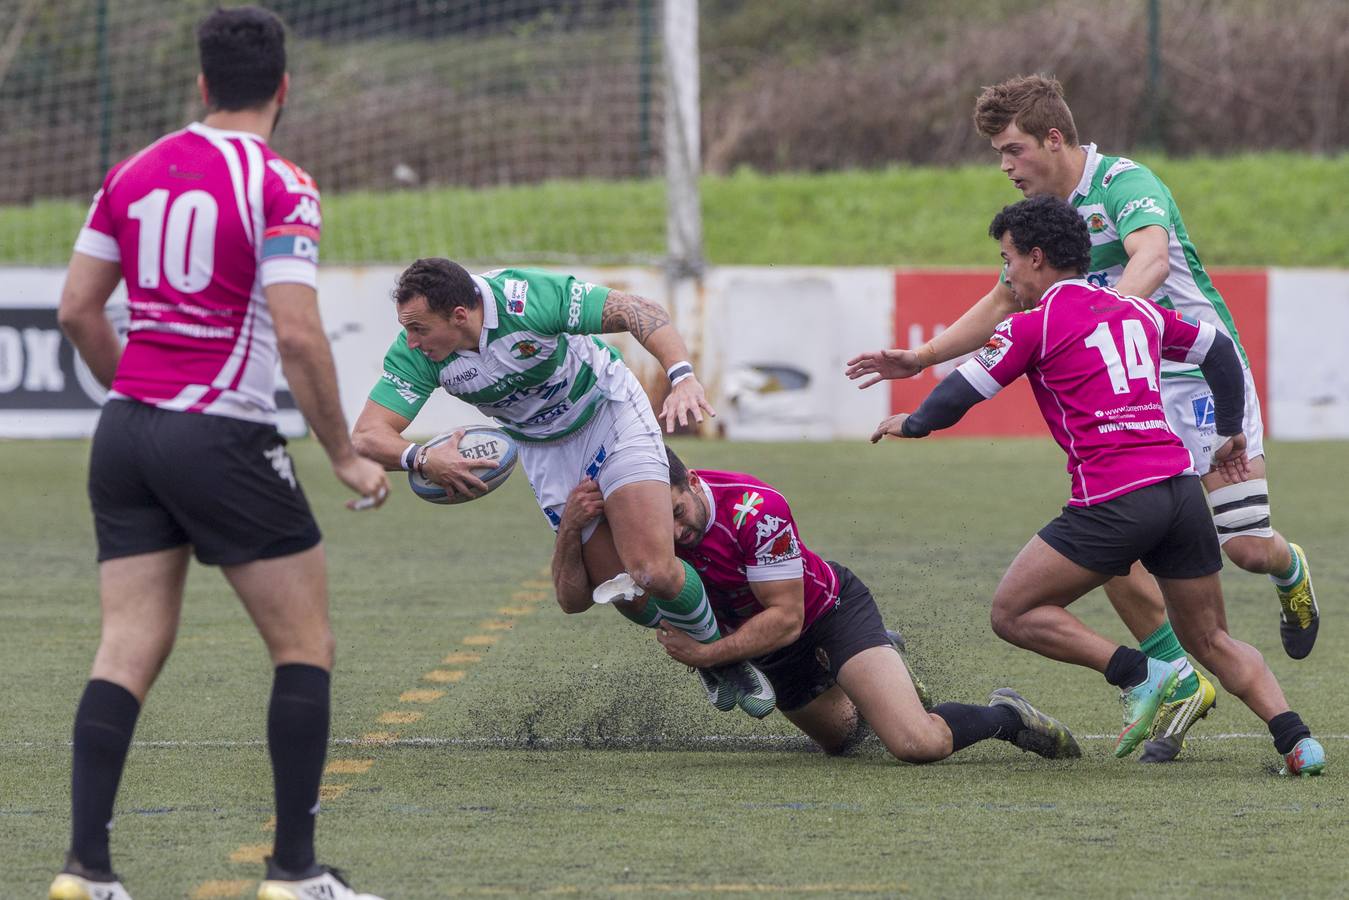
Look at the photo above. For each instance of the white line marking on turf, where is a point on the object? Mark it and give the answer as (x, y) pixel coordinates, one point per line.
(488, 743)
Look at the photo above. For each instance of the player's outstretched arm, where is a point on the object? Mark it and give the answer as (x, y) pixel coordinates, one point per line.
(944, 407)
(89, 284)
(378, 435)
(649, 323)
(965, 335)
(570, 580)
(784, 612)
(307, 360)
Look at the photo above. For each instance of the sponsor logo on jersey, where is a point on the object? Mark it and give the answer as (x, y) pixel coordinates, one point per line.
(579, 291)
(517, 295)
(466, 375)
(548, 414)
(777, 548)
(1142, 204)
(993, 351)
(300, 241)
(545, 391)
(403, 388)
(553, 517)
(525, 349)
(1204, 412)
(1095, 223)
(296, 180)
(597, 462)
(749, 504)
(1098, 279)
(306, 211)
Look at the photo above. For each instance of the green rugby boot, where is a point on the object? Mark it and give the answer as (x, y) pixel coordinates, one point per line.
(1142, 703)
(1299, 618)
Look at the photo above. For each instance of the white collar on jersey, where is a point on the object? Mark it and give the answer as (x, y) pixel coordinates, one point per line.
(711, 504)
(208, 132)
(489, 310)
(1088, 171)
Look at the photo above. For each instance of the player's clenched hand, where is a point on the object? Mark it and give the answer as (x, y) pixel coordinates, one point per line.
(447, 468)
(892, 427)
(1230, 460)
(686, 403)
(681, 647)
(585, 503)
(880, 365)
(364, 476)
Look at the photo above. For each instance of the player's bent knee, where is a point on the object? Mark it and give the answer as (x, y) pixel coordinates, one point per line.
(1004, 622)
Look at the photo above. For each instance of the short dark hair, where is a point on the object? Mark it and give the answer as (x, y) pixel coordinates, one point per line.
(1051, 224)
(679, 473)
(443, 283)
(243, 56)
(1033, 102)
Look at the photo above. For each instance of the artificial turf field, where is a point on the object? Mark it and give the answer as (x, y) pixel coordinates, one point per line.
(484, 744)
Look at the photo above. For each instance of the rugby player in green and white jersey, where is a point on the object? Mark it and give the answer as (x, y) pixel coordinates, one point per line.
(1140, 248)
(518, 345)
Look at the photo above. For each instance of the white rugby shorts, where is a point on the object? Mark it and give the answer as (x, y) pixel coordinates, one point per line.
(1189, 411)
(620, 445)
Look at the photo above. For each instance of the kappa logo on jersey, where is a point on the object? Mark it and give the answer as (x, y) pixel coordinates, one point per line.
(296, 180)
(1142, 204)
(749, 504)
(525, 349)
(993, 352)
(768, 525)
(1005, 326)
(1095, 223)
(1203, 412)
(306, 211)
(579, 291)
(778, 548)
(517, 295)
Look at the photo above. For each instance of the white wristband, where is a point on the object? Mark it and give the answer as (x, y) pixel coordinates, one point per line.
(679, 371)
(409, 455)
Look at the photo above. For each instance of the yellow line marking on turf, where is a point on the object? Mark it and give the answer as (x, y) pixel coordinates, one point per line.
(380, 737)
(426, 695)
(348, 767)
(537, 585)
(400, 717)
(481, 640)
(251, 853)
(515, 610)
(528, 596)
(445, 676)
(496, 625)
(210, 889)
(461, 658)
(330, 792)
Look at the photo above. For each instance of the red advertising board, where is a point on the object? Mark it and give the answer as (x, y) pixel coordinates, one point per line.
(927, 301)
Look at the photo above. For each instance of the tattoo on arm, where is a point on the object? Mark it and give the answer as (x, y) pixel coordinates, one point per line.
(636, 315)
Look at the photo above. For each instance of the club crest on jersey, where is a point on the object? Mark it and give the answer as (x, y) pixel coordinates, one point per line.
(517, 295)
(296, 180)
(993, 351)
(525, 349)
(749, 504)
(1095, 223)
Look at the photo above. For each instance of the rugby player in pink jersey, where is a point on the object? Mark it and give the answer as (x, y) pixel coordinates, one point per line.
(1092, 357)
(217, 238)
(811, 626)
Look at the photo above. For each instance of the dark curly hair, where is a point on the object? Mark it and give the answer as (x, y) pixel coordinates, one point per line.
(1051, 224)
(443, 283)
(243, 56)
(679, 473)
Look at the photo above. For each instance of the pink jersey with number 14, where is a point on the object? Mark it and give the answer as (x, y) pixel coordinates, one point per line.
(201, 221)
(1092, 357)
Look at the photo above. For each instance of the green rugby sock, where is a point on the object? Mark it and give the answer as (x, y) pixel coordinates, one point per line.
(647, 617)
(1164, 645)
(1292, 576)
(689, 611)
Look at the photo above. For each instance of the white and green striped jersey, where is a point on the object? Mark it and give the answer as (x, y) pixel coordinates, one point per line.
(1116, 197)
(537, 370)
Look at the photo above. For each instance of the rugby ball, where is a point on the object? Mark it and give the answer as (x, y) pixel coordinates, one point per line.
(479, 442)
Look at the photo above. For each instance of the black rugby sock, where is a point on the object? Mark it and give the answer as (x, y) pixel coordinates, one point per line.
(1287, 729)
(1128, 667)
(297, 739)
(104, 723)
(971, 724)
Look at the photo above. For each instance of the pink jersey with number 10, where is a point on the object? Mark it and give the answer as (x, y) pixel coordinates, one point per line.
(1092, 357)
(201, 221)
